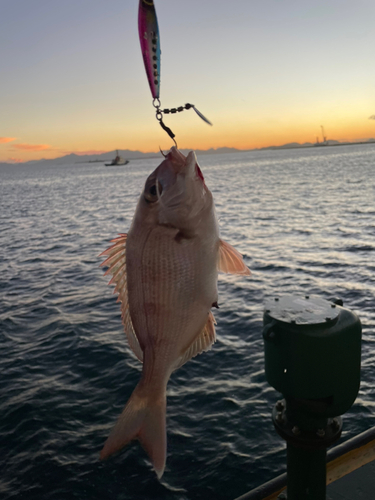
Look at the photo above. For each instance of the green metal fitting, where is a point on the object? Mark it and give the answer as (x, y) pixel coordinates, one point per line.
(313, 352)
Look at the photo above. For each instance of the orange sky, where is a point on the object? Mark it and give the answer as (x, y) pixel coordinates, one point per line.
(239, 134)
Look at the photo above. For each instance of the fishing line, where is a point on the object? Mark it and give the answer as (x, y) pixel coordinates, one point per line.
(150, 46)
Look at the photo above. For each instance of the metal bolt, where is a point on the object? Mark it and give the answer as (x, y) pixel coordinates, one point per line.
(321, 433)
(335, 424)
(296, 430)
(279, 417)
(279, 405)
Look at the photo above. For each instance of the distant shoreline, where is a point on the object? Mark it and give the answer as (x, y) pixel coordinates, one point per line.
(301, 146)
(138, 155)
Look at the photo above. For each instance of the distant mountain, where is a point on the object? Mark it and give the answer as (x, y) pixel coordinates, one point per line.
(290, 145)
(213, 151)
(138, 155)
(125, 153)
(73, 158)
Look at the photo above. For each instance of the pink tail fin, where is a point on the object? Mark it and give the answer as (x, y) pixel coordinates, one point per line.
(143, 418)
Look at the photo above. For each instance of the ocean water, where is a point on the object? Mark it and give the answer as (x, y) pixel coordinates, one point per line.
(304, 221)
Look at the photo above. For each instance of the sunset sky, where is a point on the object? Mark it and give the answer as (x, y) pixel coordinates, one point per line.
(265, 73)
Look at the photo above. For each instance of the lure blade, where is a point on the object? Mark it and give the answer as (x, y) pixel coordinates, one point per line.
(201, 116)
(150, 44)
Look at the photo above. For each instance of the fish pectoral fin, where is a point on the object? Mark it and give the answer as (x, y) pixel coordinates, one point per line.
(231, 261)
(202, 343)
(116, 262)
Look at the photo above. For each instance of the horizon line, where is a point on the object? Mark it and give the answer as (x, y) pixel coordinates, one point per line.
(289, 145)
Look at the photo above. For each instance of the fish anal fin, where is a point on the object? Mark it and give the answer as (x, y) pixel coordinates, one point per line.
(116, 262)
(203, 342)
(231, 261)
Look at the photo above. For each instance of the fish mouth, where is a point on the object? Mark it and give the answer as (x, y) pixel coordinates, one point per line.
(186, 165)
(199, 173)
(193, 167)
(177, 159)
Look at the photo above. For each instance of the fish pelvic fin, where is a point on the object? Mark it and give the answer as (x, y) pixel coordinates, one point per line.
(143, 418)
(231, 261)
(203, 342)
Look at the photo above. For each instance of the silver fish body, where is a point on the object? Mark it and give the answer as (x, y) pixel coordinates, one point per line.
(165, 270)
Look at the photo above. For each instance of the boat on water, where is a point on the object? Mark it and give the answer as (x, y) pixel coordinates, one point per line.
(117, 161)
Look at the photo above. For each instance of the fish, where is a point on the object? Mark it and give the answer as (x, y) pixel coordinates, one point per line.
(165, 272)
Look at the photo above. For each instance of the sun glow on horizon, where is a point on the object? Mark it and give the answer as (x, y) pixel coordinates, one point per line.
(246, 140)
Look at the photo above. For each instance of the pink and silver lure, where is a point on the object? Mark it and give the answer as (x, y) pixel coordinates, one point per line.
(150, 44)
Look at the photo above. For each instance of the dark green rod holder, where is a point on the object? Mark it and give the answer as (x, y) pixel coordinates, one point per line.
(313, 357)
(306, 473)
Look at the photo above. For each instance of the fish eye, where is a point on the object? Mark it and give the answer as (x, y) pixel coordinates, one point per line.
(153, 190)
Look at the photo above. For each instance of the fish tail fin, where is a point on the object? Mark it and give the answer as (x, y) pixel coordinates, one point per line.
(143, 418)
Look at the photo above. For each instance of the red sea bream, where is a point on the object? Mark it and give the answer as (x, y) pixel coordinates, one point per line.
(165, 271)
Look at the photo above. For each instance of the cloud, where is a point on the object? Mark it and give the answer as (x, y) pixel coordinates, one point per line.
(372, 117)
(15, 160)
(31, 147)
(4, 140)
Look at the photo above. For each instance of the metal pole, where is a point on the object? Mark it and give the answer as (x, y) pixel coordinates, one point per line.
(306, 474)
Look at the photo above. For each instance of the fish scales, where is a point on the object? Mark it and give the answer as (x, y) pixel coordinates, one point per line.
(173, 286)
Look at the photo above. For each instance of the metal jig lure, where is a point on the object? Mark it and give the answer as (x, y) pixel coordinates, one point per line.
(150, 45)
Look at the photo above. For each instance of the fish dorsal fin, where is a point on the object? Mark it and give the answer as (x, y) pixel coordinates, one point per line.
(231, 261)
(202, 343)
(116, 263)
